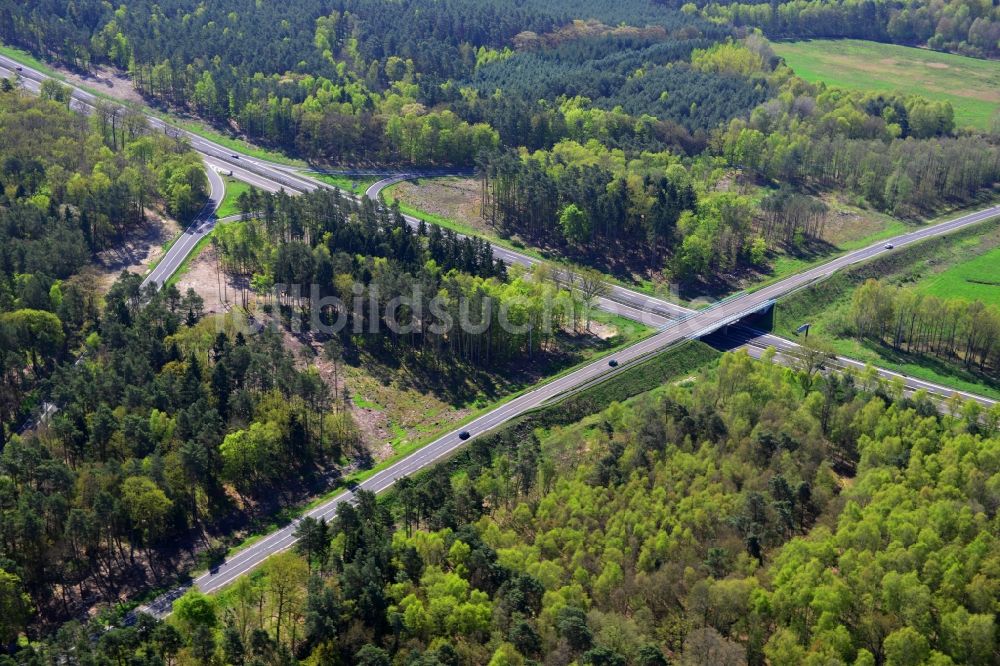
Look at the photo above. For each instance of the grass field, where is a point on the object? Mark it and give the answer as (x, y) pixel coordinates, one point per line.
(977, 279)
(353, 184)
(938, 266)
(971, 85)
(234, 188)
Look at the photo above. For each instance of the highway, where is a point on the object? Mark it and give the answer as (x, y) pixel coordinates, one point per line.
(675, 322)
(695, 324)
(742, 336)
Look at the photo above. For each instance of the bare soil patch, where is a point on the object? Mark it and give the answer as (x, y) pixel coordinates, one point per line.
(106, 80)
(202, 275)
(137, 252)
(846, 223)
(454, 198)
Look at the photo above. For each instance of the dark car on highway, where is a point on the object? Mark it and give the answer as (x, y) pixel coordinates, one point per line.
(464, 435)
(613, 363)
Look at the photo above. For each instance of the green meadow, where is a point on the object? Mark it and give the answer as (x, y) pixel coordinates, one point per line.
(977, 279)
(971, 85)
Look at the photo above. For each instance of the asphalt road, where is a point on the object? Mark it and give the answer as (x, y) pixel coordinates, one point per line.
(692, 325)
(756, 342)
(196, 231)
(677, 324)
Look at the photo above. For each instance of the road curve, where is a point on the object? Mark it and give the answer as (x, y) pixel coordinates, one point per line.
(677, 323)
(198, 229)
(695, 324)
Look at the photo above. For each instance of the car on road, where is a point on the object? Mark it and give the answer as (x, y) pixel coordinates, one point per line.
(19, 68)
(235, 156)
(889, 246)
(613, 363)
(464, 435)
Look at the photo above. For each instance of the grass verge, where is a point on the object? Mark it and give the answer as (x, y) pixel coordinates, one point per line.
(676, 361)
(826, 305)
(353, 184)
(631, 333)
(234, 188)
(633, 380)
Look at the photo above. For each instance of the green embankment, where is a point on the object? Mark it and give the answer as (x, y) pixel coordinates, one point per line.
(826, 305)
(673, 363)
(977, 279)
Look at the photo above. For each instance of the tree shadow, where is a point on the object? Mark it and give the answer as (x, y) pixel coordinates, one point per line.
(953, 367)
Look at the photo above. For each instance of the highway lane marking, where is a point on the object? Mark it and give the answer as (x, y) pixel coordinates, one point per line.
(589, 372)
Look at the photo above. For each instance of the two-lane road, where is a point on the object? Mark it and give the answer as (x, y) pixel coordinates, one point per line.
(694, 324)
(677, 324)
(200, 228)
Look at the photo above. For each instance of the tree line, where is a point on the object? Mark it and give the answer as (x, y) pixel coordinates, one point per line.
(966, 331)
(960, 26)
(449, 292)
(898, 153)
(583, 196)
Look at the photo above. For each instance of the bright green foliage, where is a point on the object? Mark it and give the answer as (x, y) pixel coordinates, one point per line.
(728, 58)
(146, 505)
(195, 609)
(574, 223)
(913, 539)
(15, 607)
(69, 188)
(740, 518)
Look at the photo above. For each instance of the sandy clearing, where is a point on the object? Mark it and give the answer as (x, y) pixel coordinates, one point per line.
(137, 252)
(202, 276)
(105, 80)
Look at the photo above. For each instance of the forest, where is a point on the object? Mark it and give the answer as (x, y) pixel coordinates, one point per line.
(758, 514)
(70, 188)
(740, 513)
(178, 429)
(368, 80)
(560, 108)
(899, 154)
(327, 261)
(161, 415)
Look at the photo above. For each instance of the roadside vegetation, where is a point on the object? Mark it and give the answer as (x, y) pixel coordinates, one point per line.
(234, 189)
(356, 185)
(734, 515)
(72, 188)
(199, 432)
(892, 312)
(739, 512)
